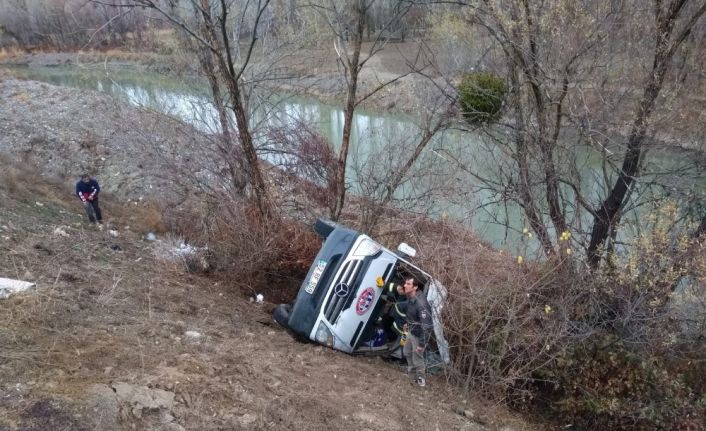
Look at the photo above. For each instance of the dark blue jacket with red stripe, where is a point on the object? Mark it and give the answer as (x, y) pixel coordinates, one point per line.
(87, 191)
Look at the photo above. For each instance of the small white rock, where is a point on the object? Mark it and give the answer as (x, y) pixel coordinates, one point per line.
(259, 298)
(60, 232)
(193, 334)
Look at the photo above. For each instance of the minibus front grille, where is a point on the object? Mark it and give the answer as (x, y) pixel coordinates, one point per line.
(343, 289)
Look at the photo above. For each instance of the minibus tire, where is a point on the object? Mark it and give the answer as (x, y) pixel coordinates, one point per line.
(324, 227)
(281, 315)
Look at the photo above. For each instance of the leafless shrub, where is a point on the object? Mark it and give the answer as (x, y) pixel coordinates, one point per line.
(10, 180)
(145, 216)
(617, 350)
(68, 24)
(269, 258)
(305, 154)
(504, 320)
(638, 367)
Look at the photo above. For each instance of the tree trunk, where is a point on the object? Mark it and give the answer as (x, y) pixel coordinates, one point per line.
(227, 70)
(227, 148)
(339, 186)
(524, 186)
(606, 215)
(532, 71)
(262, 199)
(352, 69)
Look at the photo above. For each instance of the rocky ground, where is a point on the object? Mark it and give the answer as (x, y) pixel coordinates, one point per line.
(67, 133)
(116, 338)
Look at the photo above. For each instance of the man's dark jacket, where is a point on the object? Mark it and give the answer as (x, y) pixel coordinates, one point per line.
(418, 317)
(87, 191)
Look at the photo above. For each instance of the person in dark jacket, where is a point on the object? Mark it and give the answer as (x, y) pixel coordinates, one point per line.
(87, 189)
(418, 327)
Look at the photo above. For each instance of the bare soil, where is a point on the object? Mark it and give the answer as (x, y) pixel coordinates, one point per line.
(107, 312)
(66, 131)
(114, 338)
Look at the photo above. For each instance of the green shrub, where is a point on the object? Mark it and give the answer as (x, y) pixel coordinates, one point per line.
(481, 96)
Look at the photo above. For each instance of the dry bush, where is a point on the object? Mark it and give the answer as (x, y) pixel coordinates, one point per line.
(270, 257)
(643, 366)
(22, 182)
(69, 24)
(607, 382)
(307, 156)
(617, 350)
(143, 217)
(10, 180)
(8, 52)
(504, 320)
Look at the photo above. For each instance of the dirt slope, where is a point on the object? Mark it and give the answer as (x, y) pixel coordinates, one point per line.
(102, 343)
(67, 131)
(115, 339)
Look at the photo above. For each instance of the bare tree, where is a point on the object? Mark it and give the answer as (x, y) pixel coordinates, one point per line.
(230, 152)
(212, 25)
(569, 91)
(69, 24)
(348, 22)
(673, 22)
(400, 163)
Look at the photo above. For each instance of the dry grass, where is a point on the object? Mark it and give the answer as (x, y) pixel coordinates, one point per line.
(21, 182)
(8, 53)
(142, 217)
(269, 258)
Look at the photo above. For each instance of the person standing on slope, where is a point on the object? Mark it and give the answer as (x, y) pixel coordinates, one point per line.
(418, 327)
(87, 189)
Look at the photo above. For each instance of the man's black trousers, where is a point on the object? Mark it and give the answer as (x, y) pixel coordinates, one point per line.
(93, 210)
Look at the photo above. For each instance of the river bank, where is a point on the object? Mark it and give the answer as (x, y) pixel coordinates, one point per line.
(373, 130)
(318, 75)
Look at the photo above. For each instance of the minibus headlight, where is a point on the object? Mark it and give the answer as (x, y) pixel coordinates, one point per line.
(367, 247)
(324, 335)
